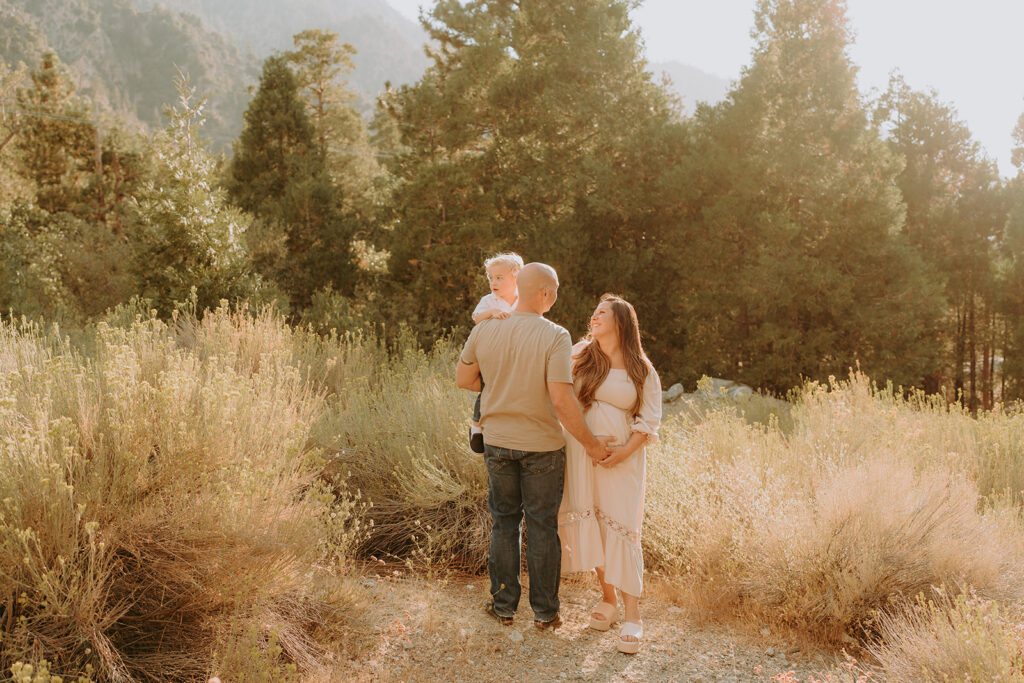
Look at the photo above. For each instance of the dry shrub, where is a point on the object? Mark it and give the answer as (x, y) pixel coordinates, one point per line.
(856, 509)
(964, 638)
(150, 495)
(401, 433)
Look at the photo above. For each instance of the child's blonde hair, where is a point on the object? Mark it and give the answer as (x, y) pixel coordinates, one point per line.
(511, 260)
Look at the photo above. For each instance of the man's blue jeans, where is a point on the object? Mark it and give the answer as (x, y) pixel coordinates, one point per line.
(530, 483)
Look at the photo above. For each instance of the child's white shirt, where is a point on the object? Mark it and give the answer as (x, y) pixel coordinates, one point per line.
(492, 301)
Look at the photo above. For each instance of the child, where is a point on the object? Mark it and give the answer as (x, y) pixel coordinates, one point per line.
(502, 272)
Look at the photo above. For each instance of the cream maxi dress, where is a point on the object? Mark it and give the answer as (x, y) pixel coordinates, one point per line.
(603, 508)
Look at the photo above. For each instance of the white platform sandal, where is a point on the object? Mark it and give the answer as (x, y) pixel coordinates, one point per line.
(608, 611)
(630, 647)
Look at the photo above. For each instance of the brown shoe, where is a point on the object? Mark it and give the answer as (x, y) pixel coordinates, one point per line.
(489, 608)
(545, 625)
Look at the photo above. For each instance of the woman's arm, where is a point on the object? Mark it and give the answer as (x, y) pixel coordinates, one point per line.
(644, 427)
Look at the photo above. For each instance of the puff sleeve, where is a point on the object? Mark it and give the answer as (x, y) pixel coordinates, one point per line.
(649, 418)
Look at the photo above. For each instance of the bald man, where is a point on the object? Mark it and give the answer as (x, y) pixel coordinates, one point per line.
(527, 362)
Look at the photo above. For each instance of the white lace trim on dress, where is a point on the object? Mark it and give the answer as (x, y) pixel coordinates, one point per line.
(616, 527)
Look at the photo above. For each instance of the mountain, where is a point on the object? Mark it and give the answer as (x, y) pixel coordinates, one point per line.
(125, 60)
(691, 84)
(124, 54)
(389, 46)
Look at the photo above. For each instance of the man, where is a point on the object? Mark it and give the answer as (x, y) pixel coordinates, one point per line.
(527, 362)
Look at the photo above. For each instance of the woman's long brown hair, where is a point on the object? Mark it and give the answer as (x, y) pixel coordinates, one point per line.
(591, 366)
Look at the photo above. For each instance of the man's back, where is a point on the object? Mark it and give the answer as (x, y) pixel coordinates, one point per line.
(518, 357)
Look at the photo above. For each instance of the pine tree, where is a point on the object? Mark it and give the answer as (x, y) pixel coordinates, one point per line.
(1012, 289)
(955, 218)
(14, 187)
(802, 269)
(278, 174)
(536, 129)
(320, 62)
(56, 138)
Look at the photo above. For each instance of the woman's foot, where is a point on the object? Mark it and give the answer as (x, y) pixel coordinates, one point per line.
(630, 637)
(604, 615)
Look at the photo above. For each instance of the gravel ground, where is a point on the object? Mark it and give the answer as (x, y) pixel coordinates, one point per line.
(416, 629)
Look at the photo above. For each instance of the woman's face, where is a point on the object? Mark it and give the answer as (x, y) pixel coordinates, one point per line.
(602, 322)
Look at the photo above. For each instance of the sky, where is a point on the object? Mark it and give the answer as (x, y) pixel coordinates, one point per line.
(970, 51)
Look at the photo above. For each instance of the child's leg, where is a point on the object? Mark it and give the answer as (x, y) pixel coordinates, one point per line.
(476, 412)
(476, 437)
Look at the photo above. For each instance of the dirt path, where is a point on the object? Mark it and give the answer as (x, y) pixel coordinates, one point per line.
(422, 630)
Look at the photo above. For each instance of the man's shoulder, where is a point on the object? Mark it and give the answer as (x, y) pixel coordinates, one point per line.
(556, 329)
(553, 333)
(543, 323)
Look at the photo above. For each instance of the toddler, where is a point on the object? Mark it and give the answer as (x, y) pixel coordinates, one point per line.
(502, 272)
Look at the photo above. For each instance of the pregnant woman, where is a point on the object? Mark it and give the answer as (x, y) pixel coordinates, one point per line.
(603, 503)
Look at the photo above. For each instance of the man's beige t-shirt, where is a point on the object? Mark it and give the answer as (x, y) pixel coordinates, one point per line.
(518, 356)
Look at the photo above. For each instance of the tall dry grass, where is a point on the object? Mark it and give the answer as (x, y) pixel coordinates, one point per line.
(400, 434)
(943, 638)
(857, 501)
(867, 501)
(158, 491)
(174, 496)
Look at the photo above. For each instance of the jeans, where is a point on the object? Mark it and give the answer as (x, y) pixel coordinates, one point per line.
(530, 483)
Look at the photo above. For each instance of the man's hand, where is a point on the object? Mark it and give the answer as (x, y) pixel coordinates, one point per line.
(599, 451)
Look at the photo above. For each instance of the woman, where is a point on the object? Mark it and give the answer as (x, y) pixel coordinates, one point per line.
(603, 503)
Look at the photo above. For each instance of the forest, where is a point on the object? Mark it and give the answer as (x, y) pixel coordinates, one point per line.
(794, 231)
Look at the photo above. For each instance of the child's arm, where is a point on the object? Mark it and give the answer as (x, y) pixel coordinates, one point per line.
(495, 313)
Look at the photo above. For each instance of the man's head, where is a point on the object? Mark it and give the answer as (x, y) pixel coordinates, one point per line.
(538, 288)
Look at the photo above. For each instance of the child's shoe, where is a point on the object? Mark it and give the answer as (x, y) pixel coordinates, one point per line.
(476, 442)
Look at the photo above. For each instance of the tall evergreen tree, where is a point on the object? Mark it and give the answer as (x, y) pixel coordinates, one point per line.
(1012, 301)
(321, 62)
(278, 174)
(536, 129)
(56, 138)
(802, 271)
(955, 219)
(14, 186)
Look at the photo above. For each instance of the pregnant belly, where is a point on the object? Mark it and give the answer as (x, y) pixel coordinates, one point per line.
(605, 419)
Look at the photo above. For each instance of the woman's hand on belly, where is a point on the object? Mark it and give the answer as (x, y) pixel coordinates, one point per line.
(619, 453)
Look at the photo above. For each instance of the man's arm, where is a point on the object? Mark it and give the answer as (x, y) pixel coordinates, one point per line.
(467, 375)
(568, 410)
